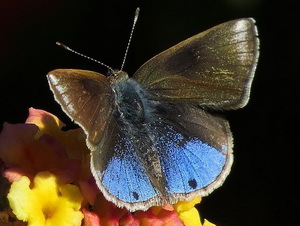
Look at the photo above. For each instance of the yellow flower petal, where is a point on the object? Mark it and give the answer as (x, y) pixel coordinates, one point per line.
(188, 214)
(47, 203)
(186, 205)
(19, 197)
(190, 217)
(207, 223)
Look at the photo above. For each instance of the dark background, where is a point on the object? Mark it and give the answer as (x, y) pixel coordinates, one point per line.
(262, 187)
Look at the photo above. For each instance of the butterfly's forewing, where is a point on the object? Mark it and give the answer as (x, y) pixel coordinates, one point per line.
(214, 68)
(86, 97)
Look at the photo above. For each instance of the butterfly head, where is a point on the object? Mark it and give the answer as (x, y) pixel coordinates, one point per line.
(116, 76)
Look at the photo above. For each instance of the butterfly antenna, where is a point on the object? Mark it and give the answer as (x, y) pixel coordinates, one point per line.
(136, 15)
(85, 56)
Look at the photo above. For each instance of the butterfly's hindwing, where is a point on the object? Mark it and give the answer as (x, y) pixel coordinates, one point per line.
(124, 176)
(173, 153)
(195, 151)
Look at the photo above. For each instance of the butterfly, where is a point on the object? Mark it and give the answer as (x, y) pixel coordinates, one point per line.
(154, 137)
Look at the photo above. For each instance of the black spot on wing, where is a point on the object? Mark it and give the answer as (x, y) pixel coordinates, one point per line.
(135, 195)
(193, 183)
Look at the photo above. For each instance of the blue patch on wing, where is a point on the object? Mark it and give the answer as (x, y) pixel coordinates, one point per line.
(124, 176)
(188, 163)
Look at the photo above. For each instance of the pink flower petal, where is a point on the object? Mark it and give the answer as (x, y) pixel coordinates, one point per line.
(20, 150)
(89, 190)
(13, 174)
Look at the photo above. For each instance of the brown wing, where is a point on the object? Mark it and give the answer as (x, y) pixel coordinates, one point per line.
(214, 68)
(86, 97)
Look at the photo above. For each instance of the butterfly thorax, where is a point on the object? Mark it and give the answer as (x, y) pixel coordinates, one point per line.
(133, 105)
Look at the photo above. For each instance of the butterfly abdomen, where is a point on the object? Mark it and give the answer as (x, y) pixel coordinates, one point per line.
(135, 114)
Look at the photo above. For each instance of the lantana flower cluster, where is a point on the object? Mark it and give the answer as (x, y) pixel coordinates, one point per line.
(46, 180)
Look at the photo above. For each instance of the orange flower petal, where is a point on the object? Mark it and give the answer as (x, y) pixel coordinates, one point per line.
(129, 219)
(90, 218)
(107, 211)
